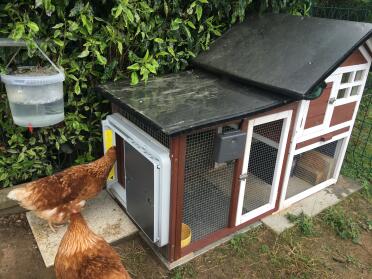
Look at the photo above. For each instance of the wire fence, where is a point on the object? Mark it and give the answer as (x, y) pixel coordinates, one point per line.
(358, 163)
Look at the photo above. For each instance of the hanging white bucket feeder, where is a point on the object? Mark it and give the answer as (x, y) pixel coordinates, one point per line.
(35, 94)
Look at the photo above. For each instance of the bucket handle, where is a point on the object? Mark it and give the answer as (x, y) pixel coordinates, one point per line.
(12, 43)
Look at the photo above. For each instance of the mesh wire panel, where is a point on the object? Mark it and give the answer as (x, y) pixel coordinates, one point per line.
(207, 188)
(312, 167)
(156, 133)
(261, 165)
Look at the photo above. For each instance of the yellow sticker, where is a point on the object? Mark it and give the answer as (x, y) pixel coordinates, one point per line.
(108, 142)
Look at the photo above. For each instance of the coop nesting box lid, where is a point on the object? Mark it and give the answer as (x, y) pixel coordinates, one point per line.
(283, 53)
(178, 102)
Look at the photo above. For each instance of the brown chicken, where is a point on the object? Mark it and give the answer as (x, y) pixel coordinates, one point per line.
(82, 254)
(56, 197)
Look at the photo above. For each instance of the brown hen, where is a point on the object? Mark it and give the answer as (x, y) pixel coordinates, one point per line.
(82, 254)
(56, 197)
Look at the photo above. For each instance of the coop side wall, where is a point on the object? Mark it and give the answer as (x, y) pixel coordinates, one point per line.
(323, 130)
(178, 146)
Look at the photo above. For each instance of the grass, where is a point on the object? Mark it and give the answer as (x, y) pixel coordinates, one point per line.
(186, 270)
(237, 244)
(344, 226)
(304, 222)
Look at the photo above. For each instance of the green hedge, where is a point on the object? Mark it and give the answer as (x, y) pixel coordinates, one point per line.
(99, 41)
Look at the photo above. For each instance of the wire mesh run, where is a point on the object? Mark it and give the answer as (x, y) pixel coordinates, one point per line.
(261, 165)
(207, 188)
(312, 168)
(156, 133)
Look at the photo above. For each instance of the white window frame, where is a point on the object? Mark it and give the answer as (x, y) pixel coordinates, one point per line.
(286, 116)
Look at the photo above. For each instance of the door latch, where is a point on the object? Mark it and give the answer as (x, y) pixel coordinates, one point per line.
(244, 176)
(332, 100)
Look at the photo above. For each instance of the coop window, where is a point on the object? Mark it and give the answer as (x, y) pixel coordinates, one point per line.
(341, 93)
(358, 75)
(350, 84)
(354, 90)
(346, 77)
(312, 167)
(207, 185)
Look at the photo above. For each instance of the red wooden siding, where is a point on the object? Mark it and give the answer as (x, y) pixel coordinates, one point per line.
(178, 149)
(355, 58)
(324, 137)
(236, 181)
(343, 113)
(317, 108)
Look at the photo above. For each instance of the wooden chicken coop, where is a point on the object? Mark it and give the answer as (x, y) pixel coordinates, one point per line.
(260, 121)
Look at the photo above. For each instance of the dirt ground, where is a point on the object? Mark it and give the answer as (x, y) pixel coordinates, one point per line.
(256, 254)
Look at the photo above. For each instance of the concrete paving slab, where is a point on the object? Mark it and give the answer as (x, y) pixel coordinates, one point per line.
(103, 215)
(313, 204)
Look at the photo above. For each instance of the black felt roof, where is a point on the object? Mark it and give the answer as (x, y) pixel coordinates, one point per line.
(283, 53)
(183, 101)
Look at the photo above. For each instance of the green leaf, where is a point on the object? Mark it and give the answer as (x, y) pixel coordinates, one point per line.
(145, 74)
(151, 68)
(58, 42)
(101, 60)
(77, 88)
(189, 23)
(146, 55)
(199, 12)
(129, 14)
(134, 67)
(84, 53)
(3, 176)
(120, 47)
(134, 78)
(166, 9)
(159, 40)
(33, 26)
(87, 23)
(57, 26)
(162, 53)
(203, 1)
(117, 11)
(171, 51)
(18, 31)
(187, 31)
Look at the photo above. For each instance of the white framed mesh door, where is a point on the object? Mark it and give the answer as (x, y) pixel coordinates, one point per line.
(262, 165)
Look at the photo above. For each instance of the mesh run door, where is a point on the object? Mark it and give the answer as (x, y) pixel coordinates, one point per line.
(262, 166)
(313, 169)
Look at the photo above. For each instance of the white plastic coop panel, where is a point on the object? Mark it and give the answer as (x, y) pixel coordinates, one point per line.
(262, 165)
(149, 152)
